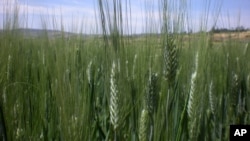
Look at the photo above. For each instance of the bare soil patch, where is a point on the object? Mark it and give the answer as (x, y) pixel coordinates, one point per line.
(240, 36)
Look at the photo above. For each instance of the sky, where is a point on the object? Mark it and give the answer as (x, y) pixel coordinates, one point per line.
(83, 16)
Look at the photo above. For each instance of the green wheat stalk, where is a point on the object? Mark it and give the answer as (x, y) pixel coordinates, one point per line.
(246, 49)
(4, 95)
(248, 82)
(9, 67)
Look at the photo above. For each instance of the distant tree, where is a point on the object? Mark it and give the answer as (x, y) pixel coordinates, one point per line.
(190, 31)
(219, 30)
(240, 28)
(212, 29)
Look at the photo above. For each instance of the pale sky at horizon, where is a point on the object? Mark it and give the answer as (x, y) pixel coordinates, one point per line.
(83, 13)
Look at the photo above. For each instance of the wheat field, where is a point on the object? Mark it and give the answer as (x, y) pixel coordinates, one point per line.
(167, 86)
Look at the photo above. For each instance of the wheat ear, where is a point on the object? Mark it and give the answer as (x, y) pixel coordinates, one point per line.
(170, 58)
(144, 125)
(151, 100)
(234, 93)
(191, 109)
(191, 103)
(134, 65)
(152, 94)
(114, 99)
(88, 71)
(211, 98)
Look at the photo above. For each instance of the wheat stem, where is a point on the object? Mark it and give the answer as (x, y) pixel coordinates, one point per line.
(8, 67)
